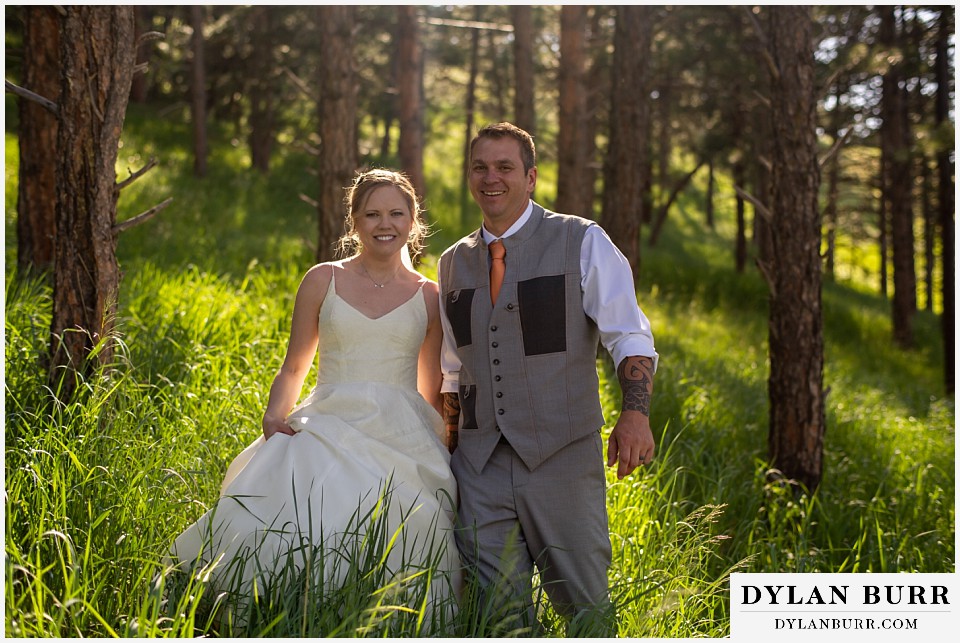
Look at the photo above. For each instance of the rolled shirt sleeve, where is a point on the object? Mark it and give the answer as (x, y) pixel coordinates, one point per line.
(610, 299)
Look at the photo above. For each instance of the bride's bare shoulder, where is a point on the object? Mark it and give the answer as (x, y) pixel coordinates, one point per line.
(317, 279)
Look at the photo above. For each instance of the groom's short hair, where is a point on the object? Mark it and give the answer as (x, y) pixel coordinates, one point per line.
(528, 152)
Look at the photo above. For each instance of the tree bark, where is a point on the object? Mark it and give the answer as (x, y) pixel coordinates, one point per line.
(496, 77)
(830, 210)
(198, 93)
(883, 221)
(264, 89)
(929, 230)
(572, 193)
(523, 105)
(337, 116)
(711, 189)
(596, 104)
(471, 106)
(797, 420)
(139, 87)
(629, 115)
(740, 244)
(410, 87)
(36, 197)
(97, 59)
(664, 141)
(899, 182)
(945, 190)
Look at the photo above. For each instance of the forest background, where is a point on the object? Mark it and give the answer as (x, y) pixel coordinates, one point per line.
(98, 483)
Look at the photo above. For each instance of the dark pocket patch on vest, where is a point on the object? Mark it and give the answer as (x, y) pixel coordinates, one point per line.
(543, 315)
(459, 305)
(468, 407)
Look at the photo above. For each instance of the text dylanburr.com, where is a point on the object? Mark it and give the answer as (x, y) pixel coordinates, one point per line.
(844, 607)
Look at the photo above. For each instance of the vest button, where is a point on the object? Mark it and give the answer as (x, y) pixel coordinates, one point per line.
(494, 344)
(500, 411)
(496, 362)
(497, 378)
(493, 328)
(509, 306)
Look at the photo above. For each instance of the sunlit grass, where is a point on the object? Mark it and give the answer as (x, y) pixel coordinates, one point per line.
(98, 488)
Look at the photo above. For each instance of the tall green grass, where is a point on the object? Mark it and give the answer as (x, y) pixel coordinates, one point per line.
(98, 487)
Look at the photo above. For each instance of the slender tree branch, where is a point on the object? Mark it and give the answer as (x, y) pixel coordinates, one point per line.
(136, 175)
(140, 218)
(765, 273)
(312, 150)
(300, 84)
(835, 148)
(29, 95)
(665, 208)
(466, 24)
(764, 44)
(758, 206)
(149, 36)
(309, 201)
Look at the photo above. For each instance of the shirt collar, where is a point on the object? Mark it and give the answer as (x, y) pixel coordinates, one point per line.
(488, 237)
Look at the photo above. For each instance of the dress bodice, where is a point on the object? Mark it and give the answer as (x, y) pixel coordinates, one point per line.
(357, 348)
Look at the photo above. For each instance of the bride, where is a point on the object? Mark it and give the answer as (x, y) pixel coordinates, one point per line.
(358, 468)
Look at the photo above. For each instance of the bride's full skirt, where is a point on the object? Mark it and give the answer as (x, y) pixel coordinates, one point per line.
(365, 476)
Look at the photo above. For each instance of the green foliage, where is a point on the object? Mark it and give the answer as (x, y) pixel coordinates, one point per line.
(98, 488)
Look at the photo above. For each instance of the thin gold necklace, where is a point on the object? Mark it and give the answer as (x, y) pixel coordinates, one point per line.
(373, 281)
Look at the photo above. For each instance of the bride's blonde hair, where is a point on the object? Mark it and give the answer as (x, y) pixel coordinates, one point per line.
(364, 183)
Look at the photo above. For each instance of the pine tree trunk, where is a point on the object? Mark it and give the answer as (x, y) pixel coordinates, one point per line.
(523, 105)
(198, 93)
(830, 211)
(711, 188)
(471, 106)
(572, 194)
(664, 142)
(595, 106)
(140, 84)
(740, 245)
(36, 198)
(929, 230)
(629, 114)
(899, 182)
(883, 222)
(97, 60)
(410, 87)
(337, 115)
(797, 419)
(263, 92)
(495, 70)
(945, 191)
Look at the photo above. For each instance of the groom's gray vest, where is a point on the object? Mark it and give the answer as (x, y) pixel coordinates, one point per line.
(529, 367)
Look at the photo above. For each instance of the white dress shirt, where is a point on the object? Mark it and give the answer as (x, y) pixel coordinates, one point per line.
(609, 299)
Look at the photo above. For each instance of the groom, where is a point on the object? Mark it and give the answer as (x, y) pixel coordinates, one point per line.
(525, 301)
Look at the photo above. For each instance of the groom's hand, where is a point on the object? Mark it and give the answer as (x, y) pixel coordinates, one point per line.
(631, 442)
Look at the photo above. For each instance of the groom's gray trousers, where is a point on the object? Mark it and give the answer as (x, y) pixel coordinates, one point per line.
(555, 517)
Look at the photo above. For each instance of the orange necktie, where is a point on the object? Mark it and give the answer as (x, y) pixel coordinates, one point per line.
(497, 267)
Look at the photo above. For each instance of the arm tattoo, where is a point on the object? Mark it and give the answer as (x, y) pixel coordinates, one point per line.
(636, 381)
(451, 418)
(451, 409)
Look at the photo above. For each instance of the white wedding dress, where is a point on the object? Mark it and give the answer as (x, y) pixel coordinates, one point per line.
(367, 444)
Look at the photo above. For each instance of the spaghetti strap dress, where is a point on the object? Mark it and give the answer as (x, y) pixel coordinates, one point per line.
(365, 469)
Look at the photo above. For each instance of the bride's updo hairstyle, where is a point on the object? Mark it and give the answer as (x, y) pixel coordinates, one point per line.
(364, 183)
